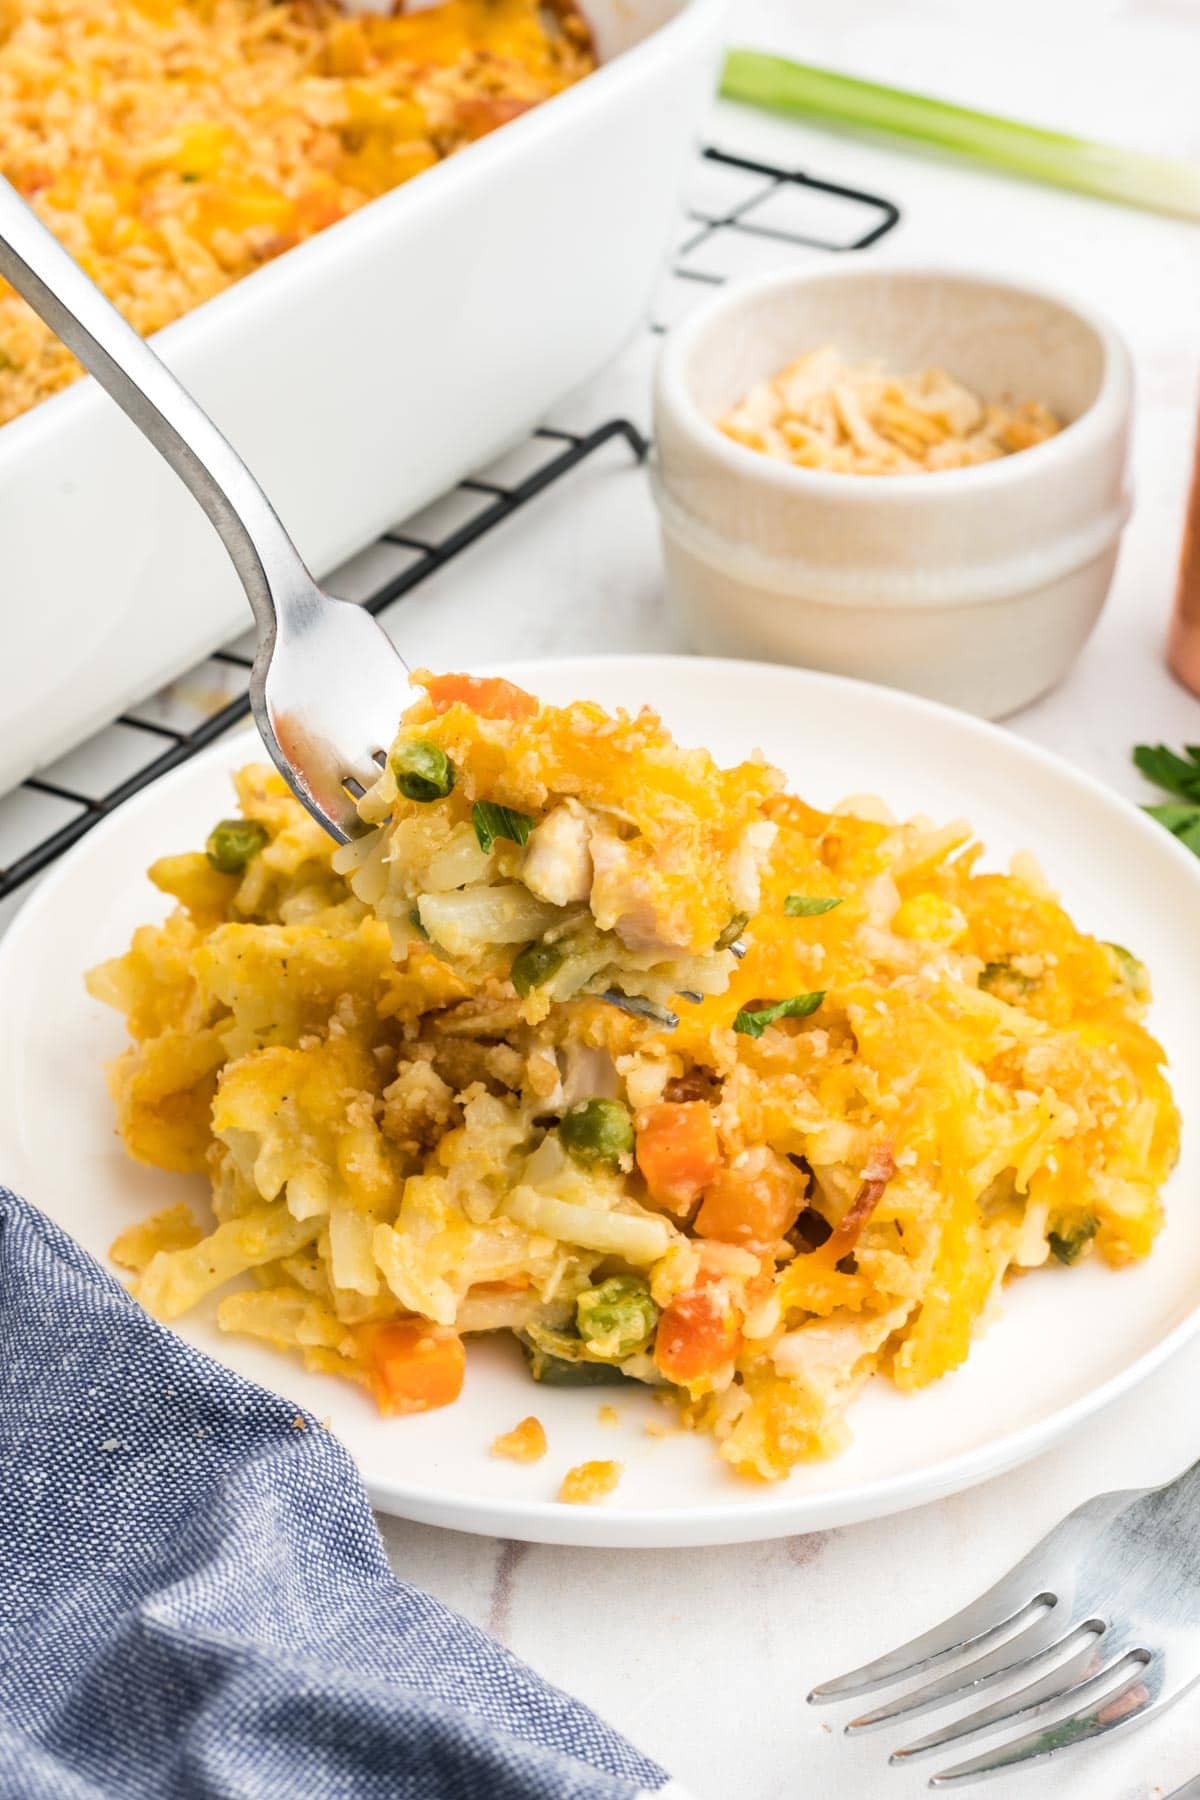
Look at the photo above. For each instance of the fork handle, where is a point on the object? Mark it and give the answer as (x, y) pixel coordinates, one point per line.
(58, 290)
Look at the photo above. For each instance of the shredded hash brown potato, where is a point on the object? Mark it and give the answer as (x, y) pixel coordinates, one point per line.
(822, 412)
(175, 145)
(919, 1078)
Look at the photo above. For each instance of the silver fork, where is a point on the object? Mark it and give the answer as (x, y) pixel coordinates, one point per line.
(328, 686)
(1103, 1615)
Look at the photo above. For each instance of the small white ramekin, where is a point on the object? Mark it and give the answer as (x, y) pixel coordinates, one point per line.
(974, 586)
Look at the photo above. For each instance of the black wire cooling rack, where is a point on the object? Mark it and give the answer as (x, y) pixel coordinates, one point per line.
(742, 217)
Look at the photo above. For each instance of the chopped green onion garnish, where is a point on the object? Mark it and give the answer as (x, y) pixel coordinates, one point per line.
(423, 771)
(414, 919)
(753, 1024)
(492, 822)
(233, 843)
(805, 906)
(1136, 177)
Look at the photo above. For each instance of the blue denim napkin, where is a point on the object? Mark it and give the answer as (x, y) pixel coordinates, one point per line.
(195, 1602)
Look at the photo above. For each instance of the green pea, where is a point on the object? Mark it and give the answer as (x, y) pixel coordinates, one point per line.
(233, 843)
(617, 1318)
(534, 967)
(597, 1131)
(423, 771)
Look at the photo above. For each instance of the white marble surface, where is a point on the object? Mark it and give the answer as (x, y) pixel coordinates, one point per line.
(704, 1656)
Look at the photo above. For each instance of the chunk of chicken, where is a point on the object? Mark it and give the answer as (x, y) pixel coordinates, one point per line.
(625, 899)
(558, 857)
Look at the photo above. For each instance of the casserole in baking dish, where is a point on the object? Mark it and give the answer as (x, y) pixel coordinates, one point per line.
(360, 375)
(174, 149)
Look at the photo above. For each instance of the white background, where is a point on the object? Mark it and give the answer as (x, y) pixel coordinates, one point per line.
(704, 1656)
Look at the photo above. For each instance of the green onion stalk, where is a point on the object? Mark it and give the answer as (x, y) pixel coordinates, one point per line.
(1111, 171)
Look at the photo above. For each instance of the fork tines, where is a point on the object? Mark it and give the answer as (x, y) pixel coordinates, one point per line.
(1045, 1627)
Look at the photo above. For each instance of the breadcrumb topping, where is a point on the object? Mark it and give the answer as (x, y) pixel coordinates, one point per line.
(525, 1443)
(589, 1481)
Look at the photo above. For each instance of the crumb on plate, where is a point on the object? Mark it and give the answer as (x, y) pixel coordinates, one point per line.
(590, 1481)
(525, 1443)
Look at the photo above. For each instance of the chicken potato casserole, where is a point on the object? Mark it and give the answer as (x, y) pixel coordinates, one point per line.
(175, 145)
(646, 1062)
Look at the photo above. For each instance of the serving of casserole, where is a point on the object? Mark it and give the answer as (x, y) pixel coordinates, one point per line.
(589, 1039)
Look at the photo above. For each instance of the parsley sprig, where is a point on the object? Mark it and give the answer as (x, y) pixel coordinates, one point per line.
(1179, 775)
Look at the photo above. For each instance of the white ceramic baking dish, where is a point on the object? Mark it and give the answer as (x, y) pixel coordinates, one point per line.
(360, 375)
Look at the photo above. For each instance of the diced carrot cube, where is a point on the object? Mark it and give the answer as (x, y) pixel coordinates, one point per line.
(414, 1366)
(489, 696)
(698, 1334)
(753, 1202)
(677, 1152)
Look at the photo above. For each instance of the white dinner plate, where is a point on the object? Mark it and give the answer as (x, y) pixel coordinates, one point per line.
(1058, 1346)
